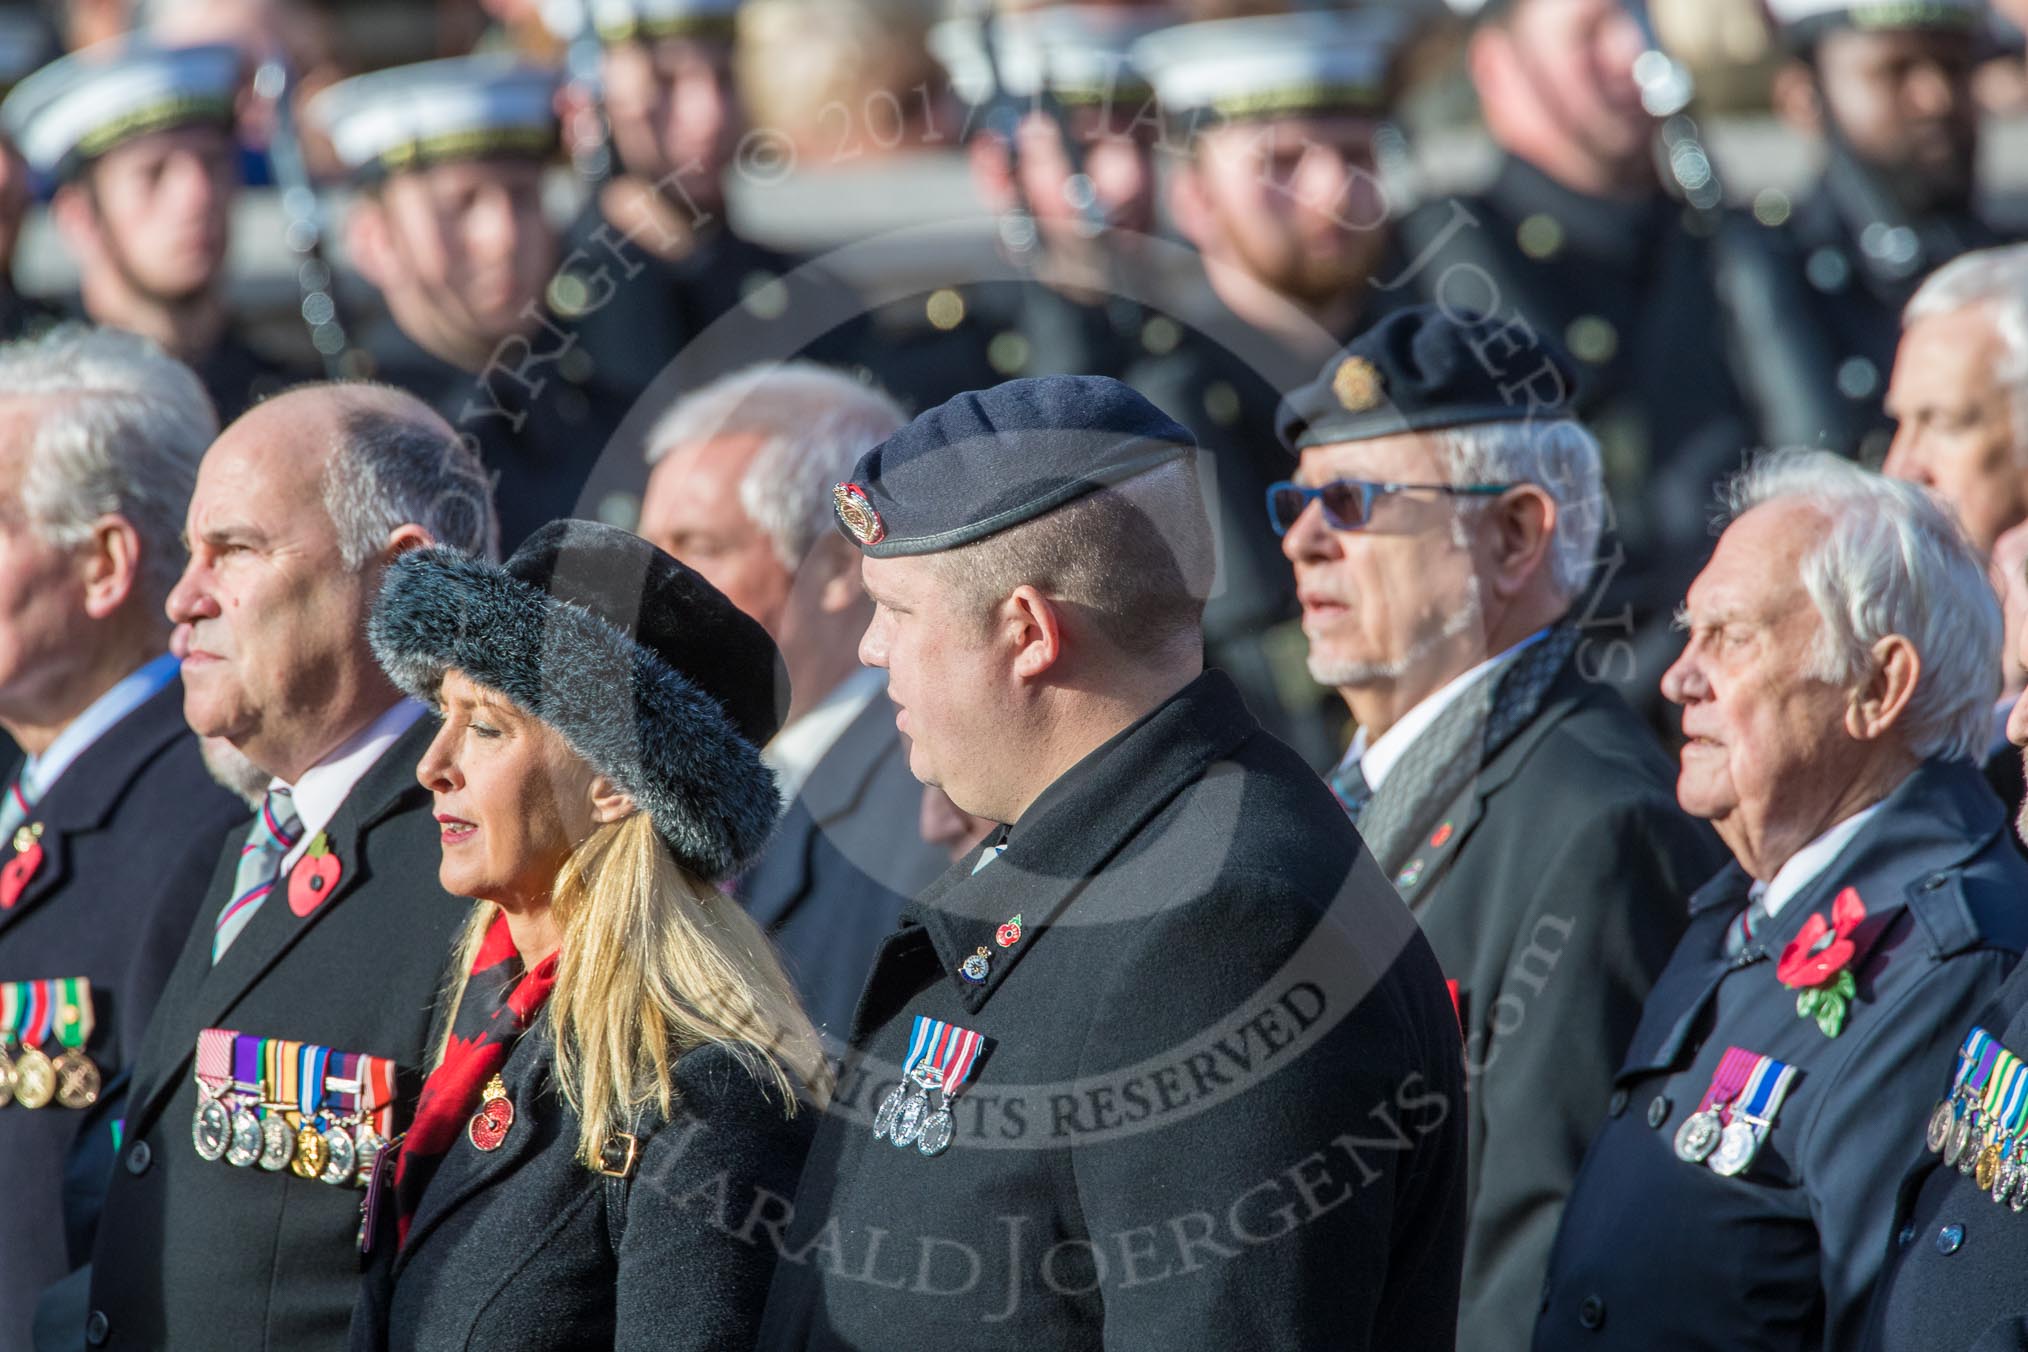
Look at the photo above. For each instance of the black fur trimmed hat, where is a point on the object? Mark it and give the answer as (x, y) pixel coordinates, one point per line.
(650, 674)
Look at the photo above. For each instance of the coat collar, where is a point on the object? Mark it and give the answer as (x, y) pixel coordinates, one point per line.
(1933, 823)
(206, 993)
(539, 1117)
(1074, 829)
(92, 788)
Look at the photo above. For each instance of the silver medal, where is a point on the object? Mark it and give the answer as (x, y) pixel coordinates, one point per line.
(883, 1118)
(278, 1144)
(339, 1157)
(2018, 1199)
(1961, 1136)
(1698, 1137)
(366, 1147)
(908, 1122)
(210, 1128)
(2003, 1180)
(936, 1131)
(1736, 1149)
(1940, 1121)
(245, 1149)
(6, 1076)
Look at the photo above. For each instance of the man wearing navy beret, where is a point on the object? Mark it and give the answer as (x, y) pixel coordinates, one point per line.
(1442, 525)
(1163, 1063)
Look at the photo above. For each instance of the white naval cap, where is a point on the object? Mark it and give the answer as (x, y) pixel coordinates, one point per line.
(1079, 54)
(645, 20)
(1270, 65)
(1812, 16)
(461, 108)
(79, 107)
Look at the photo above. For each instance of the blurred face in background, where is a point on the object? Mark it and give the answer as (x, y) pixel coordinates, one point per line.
(13, 200)
(154, 213)
(672, 109)
(1556, 79)
(1115, 153)
(1957, 432)
(459, 251)
(1901, 100)
(1295, 202)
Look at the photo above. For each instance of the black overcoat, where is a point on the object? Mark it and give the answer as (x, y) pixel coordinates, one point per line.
(201, 1255)
(131, 832)
(1219, 1104)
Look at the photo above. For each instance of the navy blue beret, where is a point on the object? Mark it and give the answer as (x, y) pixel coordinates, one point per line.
(991, 459)
(1420, 369)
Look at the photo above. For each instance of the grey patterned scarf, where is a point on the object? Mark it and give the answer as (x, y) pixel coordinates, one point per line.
(1443, 760)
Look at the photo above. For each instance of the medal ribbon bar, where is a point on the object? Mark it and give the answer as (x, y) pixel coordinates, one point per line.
(74, 1019)
(1727, 1081)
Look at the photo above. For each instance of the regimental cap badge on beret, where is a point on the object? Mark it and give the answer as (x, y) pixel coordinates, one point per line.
(857, 514)
(1357, 384)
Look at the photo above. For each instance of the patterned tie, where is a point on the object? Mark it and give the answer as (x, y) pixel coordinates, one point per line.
(16, 805)
(274, 834)
(1751, 921)
(1349, 783)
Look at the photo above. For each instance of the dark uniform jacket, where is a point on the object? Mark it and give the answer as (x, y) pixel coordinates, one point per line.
(526, 1248)
(203, 1255)
(1553, 938)
(1218, 1104)
(131, 831)
(1655, 1251)
(846, 858)
(1855, 257)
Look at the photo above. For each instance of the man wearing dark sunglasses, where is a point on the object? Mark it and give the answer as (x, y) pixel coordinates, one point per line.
(1442, 524)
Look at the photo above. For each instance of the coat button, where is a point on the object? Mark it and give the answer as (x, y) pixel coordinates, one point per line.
(1658, 1111)
(1950, 1239)
(97, 1328)
(1617, 1104)
(1591, 1314)
(139, 1157)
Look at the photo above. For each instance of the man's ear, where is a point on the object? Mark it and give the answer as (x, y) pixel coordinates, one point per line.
(77, 220)
(112, 564)
(1793, 95)
(1879, 704)
(366, 240)
(1033, 626)
(406, 537)
(609, 802)
(833, 564)
(1523, 525)
(992, 170)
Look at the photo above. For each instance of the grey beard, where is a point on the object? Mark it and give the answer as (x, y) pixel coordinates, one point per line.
(1338, 675)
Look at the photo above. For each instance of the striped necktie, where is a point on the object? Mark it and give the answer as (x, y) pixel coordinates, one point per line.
(1751, 921)
(1348, 782)
(275, 832)
(16, 805)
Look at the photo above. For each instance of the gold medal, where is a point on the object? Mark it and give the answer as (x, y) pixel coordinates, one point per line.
(1987, 1167)
(6, 1076)
(77, 1080)
(34, 1079)
(311, 1153)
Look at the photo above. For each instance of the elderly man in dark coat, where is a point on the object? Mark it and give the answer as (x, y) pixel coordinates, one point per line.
(1163, 1063)
(110, 826)
(1837, 686)
(323, 926)
(1449, 618)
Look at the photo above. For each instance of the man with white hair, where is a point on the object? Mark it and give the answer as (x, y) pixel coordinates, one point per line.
(740, 491)
(109, 824)
(1441, 536)
(1959, 394)
(1837, 685)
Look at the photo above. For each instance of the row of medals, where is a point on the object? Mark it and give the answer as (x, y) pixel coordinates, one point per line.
(338, 1153)
(1728, 1146)
(30, 1078)
(1998, 1168)
(906, 1120)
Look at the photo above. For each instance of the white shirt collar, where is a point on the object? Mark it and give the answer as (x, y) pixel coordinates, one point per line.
(324, 787)
(1806, 864)
(795, 750)
(129, 693)
(1378, 758)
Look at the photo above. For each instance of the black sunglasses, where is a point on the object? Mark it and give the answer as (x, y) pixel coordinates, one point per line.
(1348, 503)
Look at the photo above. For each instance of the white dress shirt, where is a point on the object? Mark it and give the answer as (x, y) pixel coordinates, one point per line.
(1377, 760)
(1805, 864)
(128, 694)
(323, 788)
(793, 753)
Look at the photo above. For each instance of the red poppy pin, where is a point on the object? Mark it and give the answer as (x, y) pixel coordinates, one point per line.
(314, 877)
(1816, 963)
(16, 872)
